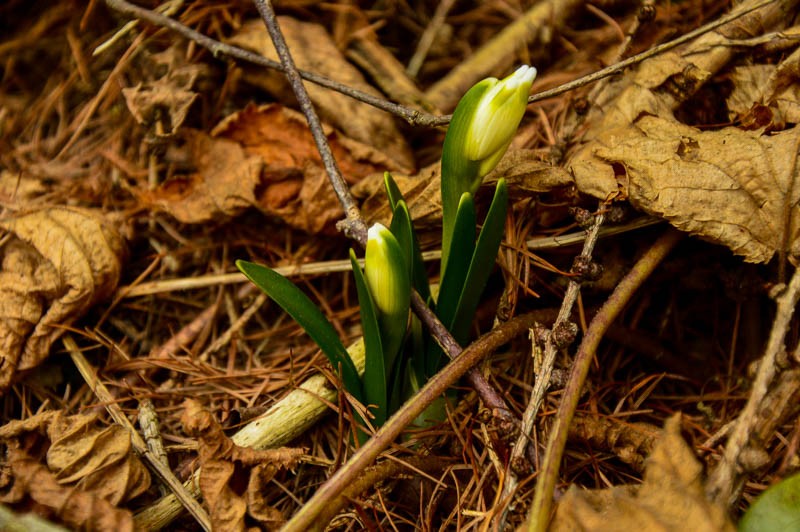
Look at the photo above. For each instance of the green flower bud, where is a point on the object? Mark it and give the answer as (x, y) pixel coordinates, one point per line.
(482, 128)
(495, 120)
(386, 273)
(389, 283)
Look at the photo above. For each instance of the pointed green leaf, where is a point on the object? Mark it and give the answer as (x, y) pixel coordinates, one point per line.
(374, 363)
(455, 274)
(392, 190)
(403, 230)
(481, 265)
(307, 314)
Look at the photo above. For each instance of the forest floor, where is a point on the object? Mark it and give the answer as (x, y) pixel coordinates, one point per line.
(143, 150)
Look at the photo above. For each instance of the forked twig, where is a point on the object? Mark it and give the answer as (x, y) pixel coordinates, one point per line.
(539, 515)
(412, 116)
(543, 378)
(722, 482)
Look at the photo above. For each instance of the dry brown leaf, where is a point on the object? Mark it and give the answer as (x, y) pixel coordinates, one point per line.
(523, 172)
(766, 95)
(58, 263)
(78, 509)
(224, 464)
(223, 185)
(730, 186)
(294, 186)
(314, 50)
(96, 459)
(165, 102)
(81, 454)
(671, 497)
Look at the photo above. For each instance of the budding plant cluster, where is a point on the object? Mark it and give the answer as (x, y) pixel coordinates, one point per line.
(399, 356)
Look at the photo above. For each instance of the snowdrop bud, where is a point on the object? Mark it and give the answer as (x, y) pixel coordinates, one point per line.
(386, 273)
(495, 119)
(483, 125)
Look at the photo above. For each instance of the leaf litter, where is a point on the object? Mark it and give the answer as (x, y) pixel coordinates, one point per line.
(200, 162)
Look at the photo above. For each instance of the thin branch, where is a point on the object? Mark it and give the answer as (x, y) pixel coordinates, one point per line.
(539, 515)
(543, 378)
(353, 225)
(218, 49)
(412, 116)
(305, 518)
(722, 481)
(638, 58)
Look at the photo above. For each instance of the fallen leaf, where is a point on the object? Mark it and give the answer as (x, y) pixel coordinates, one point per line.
(76, 508)
(57, 263)
(222, 186)
(223, 466)
(766, 95)
(294, 187)
(95, 459)
(670, 498)
(314, 50)
(90, 469)
(83, 454)
(731, 187)
(164, 102)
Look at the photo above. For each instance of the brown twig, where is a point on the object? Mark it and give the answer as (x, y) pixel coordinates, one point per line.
(543, 378)
(164, 473)
(306, 517)
(721, 483)
(412, 116)
(539, 515)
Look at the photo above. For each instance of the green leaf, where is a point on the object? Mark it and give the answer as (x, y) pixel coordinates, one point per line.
(455, 274)
(392, 190)
(481, 265)
(307, 314)
(374, 362)
(778, 508)
(403, 230)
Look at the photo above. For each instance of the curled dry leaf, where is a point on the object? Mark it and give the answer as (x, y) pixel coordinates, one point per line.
(223, 184)
(57, 263)
(94, 458)
(671, 497)
(224, 463)
(766, 95)
(294, 187)
(90, 469)
(164, 103)
(314, 50)
(264, 157)
(732, 187)
(78, 509)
